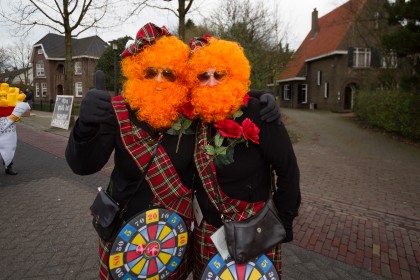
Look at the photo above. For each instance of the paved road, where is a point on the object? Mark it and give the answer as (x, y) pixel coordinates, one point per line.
(361, 194)
(358, 219)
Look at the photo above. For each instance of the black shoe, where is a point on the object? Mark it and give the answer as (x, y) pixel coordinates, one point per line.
(10, 171)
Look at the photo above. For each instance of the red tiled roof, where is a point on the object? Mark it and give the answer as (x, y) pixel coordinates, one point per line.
(332, 29)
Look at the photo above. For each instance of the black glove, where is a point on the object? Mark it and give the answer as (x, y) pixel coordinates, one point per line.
(270, 112)
(287, 221)
(95, 107)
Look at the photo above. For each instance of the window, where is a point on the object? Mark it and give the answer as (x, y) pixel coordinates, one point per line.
(78, 89)
(302, 93)
(389, 60)
(361, 57)
(78, 68)
(40, 69)
(44, 89)
(326, 90)
(37, 90)
(40, 51)
(287, 93)
(319, 78)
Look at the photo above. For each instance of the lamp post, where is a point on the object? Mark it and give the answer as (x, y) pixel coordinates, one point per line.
(114, 48)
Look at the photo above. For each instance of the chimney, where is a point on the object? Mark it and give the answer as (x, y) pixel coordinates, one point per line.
(315, 27)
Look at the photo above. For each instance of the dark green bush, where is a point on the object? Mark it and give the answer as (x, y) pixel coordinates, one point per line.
(395, 111)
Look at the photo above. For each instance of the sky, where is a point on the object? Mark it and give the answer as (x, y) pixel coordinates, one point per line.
(295, 15)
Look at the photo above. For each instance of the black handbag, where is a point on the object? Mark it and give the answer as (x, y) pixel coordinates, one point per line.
(252, 237)
(107, 213)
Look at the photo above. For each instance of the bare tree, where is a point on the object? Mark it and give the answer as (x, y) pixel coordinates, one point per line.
(19, 58)
(4, 59)
(258, 30)
(68, 17)
(180, 10)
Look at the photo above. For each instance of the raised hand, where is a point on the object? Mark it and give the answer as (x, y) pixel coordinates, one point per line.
(96, 105)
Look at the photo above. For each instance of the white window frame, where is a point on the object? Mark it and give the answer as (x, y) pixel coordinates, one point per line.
(362, 57)
(78, 68)
(44, 89)
(40, 69)
(319, 78)
(287, 93)
(326, 90)
(78, 89)
(304, 90)
(36, 89)
(40, 51)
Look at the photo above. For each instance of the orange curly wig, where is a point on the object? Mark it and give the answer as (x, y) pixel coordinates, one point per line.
(219, 102)
(157, 103)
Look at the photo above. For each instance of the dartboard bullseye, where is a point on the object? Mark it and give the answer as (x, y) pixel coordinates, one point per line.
(256, 269)
(150, 246)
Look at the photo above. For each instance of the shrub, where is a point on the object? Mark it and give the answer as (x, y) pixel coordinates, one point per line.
(394, 110)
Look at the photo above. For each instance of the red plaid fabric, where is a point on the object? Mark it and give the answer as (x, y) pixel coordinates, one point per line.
(146, 36)
(204, 250)
(162, 176)
(104, 248)
(197, 43)
(231, 208)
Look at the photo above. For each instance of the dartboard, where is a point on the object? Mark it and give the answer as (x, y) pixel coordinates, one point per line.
(150, 246)
(258, 268)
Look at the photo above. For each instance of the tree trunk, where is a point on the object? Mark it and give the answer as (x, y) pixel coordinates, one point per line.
(68, 64)
(181, 19)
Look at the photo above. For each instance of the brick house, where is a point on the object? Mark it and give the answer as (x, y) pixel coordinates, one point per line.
(340, 54)
(48, 60)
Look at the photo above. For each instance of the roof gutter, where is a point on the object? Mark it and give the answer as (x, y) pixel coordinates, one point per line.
(291, 79)
(326, 55)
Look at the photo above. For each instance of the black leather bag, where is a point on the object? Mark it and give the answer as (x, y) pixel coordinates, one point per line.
(107, 216)
(107, 213)
(254, 236)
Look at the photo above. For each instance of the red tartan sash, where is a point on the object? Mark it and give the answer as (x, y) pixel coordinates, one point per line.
(231, 208)
(161, 176)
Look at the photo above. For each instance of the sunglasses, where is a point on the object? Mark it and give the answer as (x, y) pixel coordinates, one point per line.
(218, 75)
(150, 73)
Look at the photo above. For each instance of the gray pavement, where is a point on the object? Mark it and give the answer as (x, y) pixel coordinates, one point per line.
(46, 231)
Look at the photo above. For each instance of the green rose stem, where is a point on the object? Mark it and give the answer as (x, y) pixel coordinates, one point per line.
(179, 139)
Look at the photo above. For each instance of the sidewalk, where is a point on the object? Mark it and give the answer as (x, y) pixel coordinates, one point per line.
(359, 217)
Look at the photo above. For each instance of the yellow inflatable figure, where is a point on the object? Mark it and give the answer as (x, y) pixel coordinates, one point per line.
(10, 96)
(12, 108)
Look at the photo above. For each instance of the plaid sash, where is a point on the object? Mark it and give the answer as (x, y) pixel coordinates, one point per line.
(162, 176)
(231, 208)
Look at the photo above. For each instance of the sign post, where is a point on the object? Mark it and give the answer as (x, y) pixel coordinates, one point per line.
(62, 111)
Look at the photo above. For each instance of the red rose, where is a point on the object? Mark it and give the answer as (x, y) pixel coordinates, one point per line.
(187, 110)
(250, 131)
(229, 128)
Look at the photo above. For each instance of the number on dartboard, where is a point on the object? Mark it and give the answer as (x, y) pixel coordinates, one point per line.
(165, 215)
(151, 216)
(180, 228)
(139, 222)
(119, 272)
